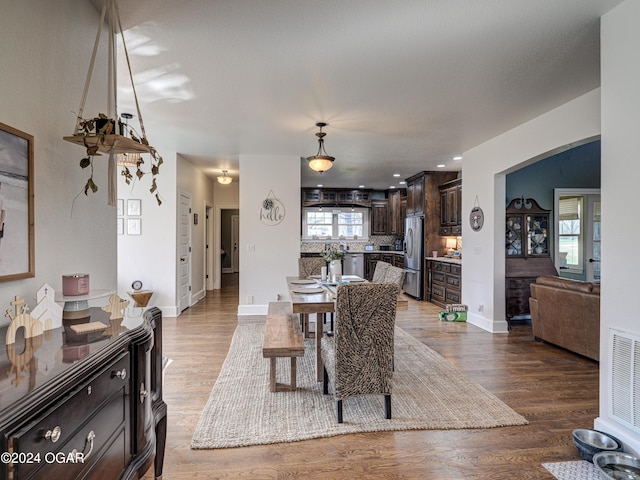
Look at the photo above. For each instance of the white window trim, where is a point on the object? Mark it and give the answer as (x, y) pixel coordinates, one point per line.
(335, 211)
(562, 192)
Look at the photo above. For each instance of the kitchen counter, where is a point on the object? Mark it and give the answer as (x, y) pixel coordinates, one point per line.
(456, 261)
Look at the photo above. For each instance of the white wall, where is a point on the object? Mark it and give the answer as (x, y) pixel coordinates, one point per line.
(151, 256)
(620, 173)
(268, 253)
(484, 168)
(199, 187)
(45, 54)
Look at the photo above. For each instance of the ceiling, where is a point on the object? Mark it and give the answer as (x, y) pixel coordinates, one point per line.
(404, 86)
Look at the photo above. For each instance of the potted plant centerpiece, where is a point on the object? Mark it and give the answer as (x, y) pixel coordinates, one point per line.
(333, 257)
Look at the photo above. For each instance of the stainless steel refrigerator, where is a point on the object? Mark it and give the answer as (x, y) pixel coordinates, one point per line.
(413, 257)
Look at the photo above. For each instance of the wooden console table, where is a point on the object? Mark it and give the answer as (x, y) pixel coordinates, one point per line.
(84, 405)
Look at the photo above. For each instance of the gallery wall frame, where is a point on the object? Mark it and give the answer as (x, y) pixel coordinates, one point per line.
(17, 226)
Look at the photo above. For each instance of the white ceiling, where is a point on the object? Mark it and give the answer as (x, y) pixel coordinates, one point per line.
(404, 85)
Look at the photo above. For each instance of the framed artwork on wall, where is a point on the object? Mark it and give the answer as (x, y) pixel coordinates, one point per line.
(134, 226)
(134, 206)
(17, 258)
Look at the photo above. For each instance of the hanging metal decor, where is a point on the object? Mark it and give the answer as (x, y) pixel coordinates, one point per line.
(476, 217)
(272, 210)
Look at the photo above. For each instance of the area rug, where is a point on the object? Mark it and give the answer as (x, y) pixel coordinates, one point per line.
(575, 470)
(428, 394)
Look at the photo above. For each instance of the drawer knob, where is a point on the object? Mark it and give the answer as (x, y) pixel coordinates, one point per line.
(53, 435)
(121, 374)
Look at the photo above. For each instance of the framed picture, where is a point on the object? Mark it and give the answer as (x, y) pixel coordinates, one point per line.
(134, 207)
(120, 226)
(134, 226)
(120, 207)
(17, 258)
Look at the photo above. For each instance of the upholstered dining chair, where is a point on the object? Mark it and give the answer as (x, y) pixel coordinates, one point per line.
(358, 358)
(308, 266)
(380, 271)
(395, 275)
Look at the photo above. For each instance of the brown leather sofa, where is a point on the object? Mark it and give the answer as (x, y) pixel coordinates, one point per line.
(566, 313)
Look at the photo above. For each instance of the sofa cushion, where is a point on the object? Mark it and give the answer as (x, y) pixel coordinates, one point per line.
(566, 283)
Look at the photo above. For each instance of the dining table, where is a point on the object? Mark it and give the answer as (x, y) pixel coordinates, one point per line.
(314, 296)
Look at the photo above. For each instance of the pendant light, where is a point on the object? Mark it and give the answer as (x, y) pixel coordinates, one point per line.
(224, 179)
(320, 162)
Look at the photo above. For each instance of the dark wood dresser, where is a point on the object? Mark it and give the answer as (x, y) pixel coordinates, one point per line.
(444, 281)
(84, 406)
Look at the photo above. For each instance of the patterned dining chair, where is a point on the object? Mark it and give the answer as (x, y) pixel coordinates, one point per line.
(308, 266)
(380, 271)
(395, 275)
(358, 358)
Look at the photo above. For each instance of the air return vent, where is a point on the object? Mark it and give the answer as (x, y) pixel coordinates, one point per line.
(625, 379)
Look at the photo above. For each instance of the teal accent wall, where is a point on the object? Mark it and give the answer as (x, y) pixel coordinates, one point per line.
(575, 168)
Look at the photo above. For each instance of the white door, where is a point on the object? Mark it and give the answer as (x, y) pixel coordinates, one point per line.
(593, 238)
(184, 252)
(235, 234)
(209, 259)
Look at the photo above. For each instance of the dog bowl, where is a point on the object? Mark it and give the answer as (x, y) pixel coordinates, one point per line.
(617, 466)
(589, 442)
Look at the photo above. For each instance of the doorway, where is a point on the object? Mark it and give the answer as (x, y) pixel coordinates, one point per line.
(577, 233)
(184, 249)
(229, 240)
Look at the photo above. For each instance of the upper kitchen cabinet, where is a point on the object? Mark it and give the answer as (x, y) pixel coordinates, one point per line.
(423, 192)
(322, 196)
(380, 217)
(451, 208)
(397, 211)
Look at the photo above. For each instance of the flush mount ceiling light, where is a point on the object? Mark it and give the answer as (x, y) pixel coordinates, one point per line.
(320, 162)
(224, 179)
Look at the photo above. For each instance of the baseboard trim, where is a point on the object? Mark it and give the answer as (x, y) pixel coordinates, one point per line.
(490, 325)
(631, 441)
(252, 310)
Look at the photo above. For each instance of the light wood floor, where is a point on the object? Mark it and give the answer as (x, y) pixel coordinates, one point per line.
(555, 390)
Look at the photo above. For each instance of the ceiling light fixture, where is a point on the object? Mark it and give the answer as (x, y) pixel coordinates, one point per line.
(457, 157)
(224, 179)
(442, 165)
(320, 162)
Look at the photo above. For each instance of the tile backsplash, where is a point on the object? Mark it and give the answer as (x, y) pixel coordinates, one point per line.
(354, 245)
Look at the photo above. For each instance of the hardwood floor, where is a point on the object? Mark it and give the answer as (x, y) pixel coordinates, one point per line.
(555, 390)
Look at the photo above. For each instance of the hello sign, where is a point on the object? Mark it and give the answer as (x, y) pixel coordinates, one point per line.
(272, 210)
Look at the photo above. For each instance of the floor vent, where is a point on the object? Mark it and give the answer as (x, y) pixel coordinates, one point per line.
(625, 379)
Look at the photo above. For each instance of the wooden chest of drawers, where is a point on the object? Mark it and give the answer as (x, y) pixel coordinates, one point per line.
(444, 282)
(83, 421)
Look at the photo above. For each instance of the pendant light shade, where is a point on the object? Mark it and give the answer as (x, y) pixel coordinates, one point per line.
(224, 179)
(320, 162)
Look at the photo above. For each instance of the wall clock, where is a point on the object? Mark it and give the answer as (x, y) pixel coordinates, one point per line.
(476, 219)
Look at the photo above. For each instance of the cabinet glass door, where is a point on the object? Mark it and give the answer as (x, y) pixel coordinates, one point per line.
(537, 240)
(514, 236)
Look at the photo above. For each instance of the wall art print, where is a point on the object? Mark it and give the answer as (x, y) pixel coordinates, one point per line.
(17, 259)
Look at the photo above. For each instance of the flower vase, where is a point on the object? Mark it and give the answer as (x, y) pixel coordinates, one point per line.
(335, 267)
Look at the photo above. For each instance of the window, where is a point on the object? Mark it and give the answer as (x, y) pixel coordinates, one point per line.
(335, 223)
(570, 230)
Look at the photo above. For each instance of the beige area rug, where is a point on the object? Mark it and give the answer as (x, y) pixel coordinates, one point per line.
(428, 394)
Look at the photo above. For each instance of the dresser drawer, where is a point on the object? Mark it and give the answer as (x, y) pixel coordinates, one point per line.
(64, 418)
(456, 269)
(438, 277)
(437, 291)
(453, 281)
(90, 442)
(441, 267)
(453, 296)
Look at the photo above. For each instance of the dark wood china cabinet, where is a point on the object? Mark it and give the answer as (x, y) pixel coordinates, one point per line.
(527, 253)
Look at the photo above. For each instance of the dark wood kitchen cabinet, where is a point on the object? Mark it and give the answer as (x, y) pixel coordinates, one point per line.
(95, 397)
(379, 217)
(451, 208)
(336, 197)
(444, 281)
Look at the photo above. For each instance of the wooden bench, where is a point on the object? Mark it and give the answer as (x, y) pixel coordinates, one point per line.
(282, 338)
